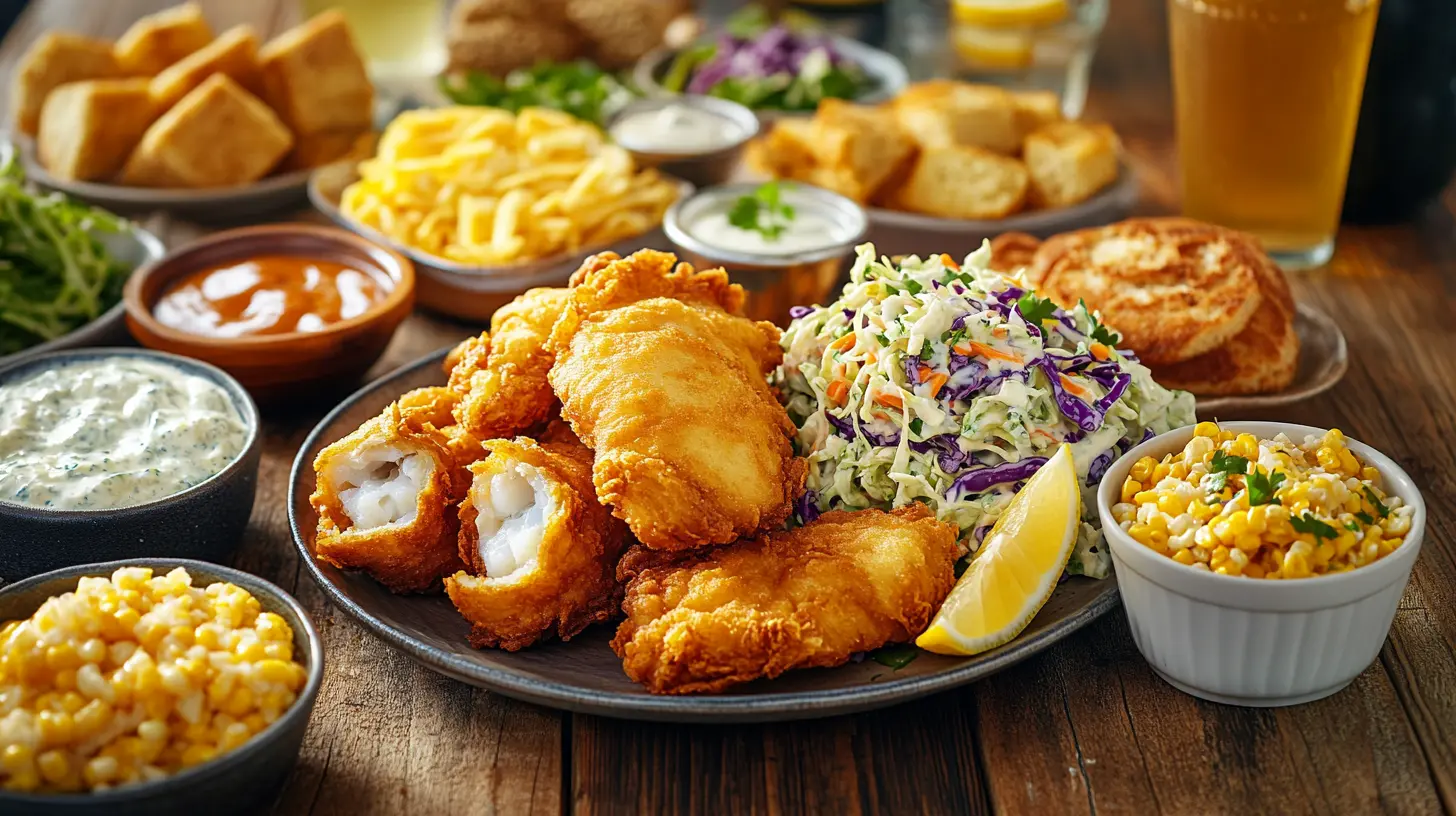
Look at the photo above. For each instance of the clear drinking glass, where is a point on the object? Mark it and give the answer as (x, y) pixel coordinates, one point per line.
(1044, 46)
(1267, 93)
(403, 40)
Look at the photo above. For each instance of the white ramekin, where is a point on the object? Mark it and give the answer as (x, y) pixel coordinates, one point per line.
(1252, 642)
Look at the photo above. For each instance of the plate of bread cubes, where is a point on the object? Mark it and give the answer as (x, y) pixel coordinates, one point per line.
(948, 163)
(173, 116)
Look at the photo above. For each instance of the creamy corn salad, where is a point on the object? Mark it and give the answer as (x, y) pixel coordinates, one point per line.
(135, 677)
(1262, 508)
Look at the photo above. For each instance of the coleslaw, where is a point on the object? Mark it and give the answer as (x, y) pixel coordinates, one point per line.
(928, 381)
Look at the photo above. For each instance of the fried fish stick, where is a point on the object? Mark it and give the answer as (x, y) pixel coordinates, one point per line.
(509, 395)
(540, 552)
(813, 596)
(385, 498)
(692, 448)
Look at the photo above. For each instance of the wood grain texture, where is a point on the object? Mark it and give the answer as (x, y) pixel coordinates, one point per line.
(1086, 727)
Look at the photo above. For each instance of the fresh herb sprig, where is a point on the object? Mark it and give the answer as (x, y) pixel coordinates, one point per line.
(1221, 468)
(1376, 502)
(1262, 486)
(762, 211)
(1035, 309)
(579, 88)
(1307, 523)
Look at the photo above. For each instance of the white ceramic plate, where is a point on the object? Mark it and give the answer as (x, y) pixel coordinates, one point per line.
(1323, 359)
(212, 205)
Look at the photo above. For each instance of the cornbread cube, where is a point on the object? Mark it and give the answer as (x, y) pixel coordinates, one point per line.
(53, 60)
(945, 113)
(962, 182)
(218, 135)
(860, 145)
(158, 40)
(234, 54)
(314, 77)
(786, 151)
(1035, 110)
(317, 149)
(1069, 162)
(87, 129)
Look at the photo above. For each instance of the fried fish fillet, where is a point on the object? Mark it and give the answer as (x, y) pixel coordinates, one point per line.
(813, 596)
(509, 394)
(1173, 287)
(540, 551)
(691, 446)
(385, 497)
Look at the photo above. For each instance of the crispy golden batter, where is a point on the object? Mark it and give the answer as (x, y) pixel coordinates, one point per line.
(1175, 288)
(467, 357)
(405, 551)
(814, 596)
(510, 395)
(569, 582)
(1013, 251)
(692, 447)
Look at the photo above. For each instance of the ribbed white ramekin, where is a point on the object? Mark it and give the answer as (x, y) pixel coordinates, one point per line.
(1252, 642)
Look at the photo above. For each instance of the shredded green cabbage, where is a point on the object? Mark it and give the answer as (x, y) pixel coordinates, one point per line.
(927, 382)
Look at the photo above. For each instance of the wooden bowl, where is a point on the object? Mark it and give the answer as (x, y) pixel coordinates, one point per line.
(273, 367)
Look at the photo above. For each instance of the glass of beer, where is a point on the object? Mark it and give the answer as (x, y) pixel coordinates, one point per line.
(1267, 93)
(402, 39)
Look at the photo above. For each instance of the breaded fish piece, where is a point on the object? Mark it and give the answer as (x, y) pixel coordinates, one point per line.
(540, 551)
(385, 498)
(845, 583)
(510, 395)
(1173, 287)
(691, 446)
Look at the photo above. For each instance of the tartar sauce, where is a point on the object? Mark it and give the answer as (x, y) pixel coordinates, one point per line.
(811, 228)
(113, 432)
(676, 129)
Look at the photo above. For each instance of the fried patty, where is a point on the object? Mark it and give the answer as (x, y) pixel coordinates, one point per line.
(1260, 359)
(1011, 251)
(1175, 288)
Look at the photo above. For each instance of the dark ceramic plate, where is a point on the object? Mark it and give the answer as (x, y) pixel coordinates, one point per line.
(584, 675)
(241, 781)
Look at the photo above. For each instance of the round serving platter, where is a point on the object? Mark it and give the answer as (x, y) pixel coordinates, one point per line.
(584, 675)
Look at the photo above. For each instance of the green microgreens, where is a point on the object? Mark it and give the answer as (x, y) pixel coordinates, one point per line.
(762, 211)
(1376, 502)
(1262, 486)
(1034, 309)
(1307, 523)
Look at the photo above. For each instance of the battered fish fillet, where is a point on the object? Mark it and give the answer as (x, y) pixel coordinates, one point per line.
(385, 498)
(509, 394)
(692, 448)
(540, 552)
(814, 596)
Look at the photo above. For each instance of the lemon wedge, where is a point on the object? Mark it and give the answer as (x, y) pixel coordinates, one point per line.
(992, 49)
(1003, 13)
(1017, 567)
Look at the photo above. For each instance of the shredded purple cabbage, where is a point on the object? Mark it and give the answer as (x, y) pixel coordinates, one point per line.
(983, 479)
(1113, 394)
(1099, 466)
(799, 311)
(778, 50)
(1085, 416)
(807, 506)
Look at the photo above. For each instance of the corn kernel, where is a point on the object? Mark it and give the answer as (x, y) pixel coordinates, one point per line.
(1130, 489)
(1206, 429)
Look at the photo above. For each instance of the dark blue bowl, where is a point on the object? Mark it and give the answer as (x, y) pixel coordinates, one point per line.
(204, 521)
(241, 781)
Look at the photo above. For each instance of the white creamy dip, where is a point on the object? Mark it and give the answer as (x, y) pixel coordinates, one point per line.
(113, 432)
(676, 129)
(811, 228)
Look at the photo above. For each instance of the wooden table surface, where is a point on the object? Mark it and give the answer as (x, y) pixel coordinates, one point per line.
(1086, 727)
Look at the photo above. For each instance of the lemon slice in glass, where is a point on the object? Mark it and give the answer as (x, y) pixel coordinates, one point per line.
(1017, 567)
(1001, 13)
(991, 48)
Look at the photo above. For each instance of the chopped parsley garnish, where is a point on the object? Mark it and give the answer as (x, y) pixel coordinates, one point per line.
(913, 286)
(1262, 486)
(1352, 527)
(1307, 523)
(882, 340)
(1376, 502)
(897, 656)
(915, 425)
(762, 211)
(1222, 467)
(1034, 309)
(1365, 517)
(1100, 333)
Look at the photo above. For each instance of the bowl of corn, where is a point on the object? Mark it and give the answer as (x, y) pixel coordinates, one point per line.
(151, 686)
(1260, 563)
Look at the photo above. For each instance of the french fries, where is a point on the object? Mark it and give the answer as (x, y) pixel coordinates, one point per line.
(488, 187)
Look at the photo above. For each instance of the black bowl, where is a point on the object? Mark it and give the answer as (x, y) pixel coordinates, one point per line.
(240, 781)
(204, 521)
